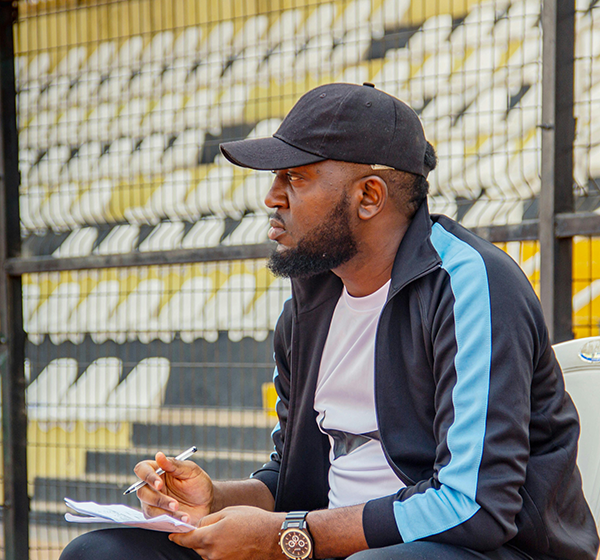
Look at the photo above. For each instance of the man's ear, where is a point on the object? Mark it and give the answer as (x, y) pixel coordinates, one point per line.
(374, 194)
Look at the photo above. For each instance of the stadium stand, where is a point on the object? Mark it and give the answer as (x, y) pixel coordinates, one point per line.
(118, 141)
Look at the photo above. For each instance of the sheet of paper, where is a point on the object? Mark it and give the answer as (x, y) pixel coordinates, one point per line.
(123, 515)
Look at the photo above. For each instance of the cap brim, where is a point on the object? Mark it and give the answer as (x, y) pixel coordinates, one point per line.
(266, 153)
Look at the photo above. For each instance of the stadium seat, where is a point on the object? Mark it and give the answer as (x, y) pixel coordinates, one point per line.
(390, 15)
(580, 362)
(231, 107)
(67, 126)
(251, 230)
(250, 194)
(519, 19)
(101, 58)
(161, 117)
(159, 48)
(206, 232)
(38, 132)
(476, 27)
(96, 128)
(83, 165)
(319, 21)
(47, 170)
(130, 52)
(143, 82)
(91, 206)
(128, 121)
(184, 152)
(196, 111)
(115, 161)
(146, 159)
(92, 313)
(112, 87)
(166, 236)
(183, 311)
(225, 310)
(134, 312)
(139, 394)
(79, 243)
(315, 56)
(208, 196)
(56, 211)
(89, 393)
(165, 201)
(49, 387)
(283, 27)
(52, 314)
(38, 67)
(431, 36)
(265, 311)
(217, 41)
(486, 212)
(250, 34)
(186, 44)
(120, 239)
(354, 19)
(30, 203)
(70, 64)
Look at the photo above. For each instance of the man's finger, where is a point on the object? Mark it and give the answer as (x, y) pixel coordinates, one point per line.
(193, 539)
(146, 470)
(153, 498)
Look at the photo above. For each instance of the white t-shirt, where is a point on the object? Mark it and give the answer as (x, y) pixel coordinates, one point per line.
(345, 403)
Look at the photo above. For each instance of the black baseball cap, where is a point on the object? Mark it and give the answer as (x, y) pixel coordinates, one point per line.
(344, 122)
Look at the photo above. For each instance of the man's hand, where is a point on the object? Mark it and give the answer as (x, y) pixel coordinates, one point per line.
(236, 533)
(184, 491)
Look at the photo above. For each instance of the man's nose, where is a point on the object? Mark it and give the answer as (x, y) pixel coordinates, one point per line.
(276, 197)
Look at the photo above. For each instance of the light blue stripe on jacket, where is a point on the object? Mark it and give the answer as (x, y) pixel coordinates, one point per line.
(437, 510)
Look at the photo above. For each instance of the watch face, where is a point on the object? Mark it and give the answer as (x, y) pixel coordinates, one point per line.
(296, 544)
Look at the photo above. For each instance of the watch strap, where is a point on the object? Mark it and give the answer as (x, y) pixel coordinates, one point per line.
(295, 519)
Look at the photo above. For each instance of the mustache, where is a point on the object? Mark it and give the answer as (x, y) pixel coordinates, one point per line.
(277, 217)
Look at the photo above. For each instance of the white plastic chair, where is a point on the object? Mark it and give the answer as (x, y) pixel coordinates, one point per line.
(121, 239)
(78, 244)
(164, 237)
(140, 393)
(49, 387)
(206, 232)
(252, 229)
(580, 362)
(89, 393)
(91, 315)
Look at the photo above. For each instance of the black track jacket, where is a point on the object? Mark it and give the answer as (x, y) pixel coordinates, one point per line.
(470, 401)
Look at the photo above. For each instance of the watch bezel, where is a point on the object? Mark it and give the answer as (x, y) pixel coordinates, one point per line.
(305, 534)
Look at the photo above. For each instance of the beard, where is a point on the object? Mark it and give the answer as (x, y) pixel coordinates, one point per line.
(324, 248)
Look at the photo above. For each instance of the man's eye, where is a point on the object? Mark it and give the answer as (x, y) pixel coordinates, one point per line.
(291, 177)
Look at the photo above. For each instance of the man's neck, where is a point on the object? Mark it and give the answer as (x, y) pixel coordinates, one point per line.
(372, 267)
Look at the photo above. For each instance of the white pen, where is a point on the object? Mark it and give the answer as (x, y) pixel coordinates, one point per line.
(181, 457)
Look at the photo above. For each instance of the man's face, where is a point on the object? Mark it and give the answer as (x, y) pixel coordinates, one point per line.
(312, 222)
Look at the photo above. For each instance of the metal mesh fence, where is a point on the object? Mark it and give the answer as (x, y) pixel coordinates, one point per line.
(121, 107)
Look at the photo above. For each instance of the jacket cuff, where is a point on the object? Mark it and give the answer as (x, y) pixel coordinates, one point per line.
(379, 523)
(269, 476)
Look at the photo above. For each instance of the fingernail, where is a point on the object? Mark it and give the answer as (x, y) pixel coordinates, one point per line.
(157, 485)
(185, 518)
(172, 506)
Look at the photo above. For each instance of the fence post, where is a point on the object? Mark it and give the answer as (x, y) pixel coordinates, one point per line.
(12, 338)
(556, 196)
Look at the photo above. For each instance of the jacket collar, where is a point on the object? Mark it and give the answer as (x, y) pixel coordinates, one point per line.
(415, 257)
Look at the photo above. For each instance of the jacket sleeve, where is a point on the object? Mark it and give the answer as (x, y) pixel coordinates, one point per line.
(269, 472)
(486, 334)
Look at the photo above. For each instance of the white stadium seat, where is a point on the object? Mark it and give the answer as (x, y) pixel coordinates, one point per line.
(580, 362)
(49, 387)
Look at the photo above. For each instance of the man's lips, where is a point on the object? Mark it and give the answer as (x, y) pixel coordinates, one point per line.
(276, 229)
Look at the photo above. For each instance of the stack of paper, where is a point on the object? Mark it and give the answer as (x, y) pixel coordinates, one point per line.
(123, 515)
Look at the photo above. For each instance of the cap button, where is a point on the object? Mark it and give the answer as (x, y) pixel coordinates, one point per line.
(368, 84)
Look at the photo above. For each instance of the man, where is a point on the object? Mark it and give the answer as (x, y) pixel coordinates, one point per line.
(422, 413)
